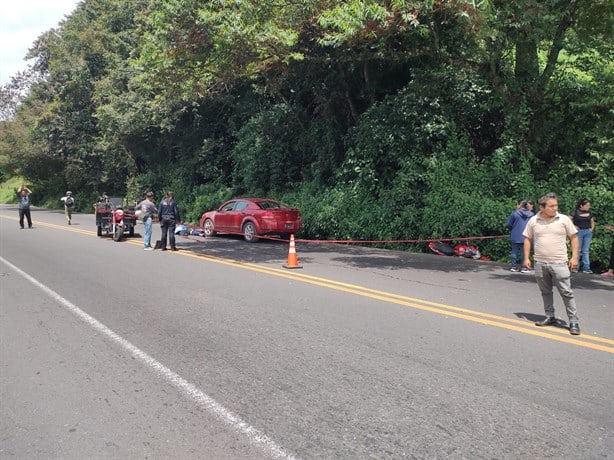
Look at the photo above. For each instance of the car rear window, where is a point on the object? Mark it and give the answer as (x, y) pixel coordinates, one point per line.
(241, 205)
(270, 205)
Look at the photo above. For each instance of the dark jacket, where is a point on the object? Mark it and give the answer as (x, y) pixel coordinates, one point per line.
(516, 223)
(168, 210)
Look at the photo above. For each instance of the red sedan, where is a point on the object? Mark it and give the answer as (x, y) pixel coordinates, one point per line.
(252, 217)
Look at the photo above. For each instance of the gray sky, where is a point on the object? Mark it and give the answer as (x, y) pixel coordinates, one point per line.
(21, 22)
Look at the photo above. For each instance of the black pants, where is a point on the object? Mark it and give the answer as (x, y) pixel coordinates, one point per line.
(611, 266)
(22, 213)
(167, 226)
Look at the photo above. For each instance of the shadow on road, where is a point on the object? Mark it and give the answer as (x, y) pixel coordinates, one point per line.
(560, 323)
(364, 258)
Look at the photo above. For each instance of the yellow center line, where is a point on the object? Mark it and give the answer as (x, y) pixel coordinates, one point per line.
(557, 334)
(448, 310)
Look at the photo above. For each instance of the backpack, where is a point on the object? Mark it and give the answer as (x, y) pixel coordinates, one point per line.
(69, 202)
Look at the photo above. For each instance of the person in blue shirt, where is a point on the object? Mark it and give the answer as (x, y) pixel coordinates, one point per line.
(516, 223)
(23, 197)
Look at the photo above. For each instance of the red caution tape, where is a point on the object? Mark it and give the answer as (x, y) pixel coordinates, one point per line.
(298, 240)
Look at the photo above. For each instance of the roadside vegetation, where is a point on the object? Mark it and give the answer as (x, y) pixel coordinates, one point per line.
(379, 120)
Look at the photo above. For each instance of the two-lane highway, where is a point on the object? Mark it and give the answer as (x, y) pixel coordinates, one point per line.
(216, 351)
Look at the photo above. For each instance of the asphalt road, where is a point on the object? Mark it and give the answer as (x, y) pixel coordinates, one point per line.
(216, 351)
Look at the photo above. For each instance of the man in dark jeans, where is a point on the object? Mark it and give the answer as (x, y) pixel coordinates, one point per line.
(23, 196)
(168, 212)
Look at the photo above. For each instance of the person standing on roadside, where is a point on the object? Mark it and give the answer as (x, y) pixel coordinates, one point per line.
(549, 231)
(23, 196)
(69, 204)
(584, 221)
(610, 270)
(147, 209)
(168, 213)
(516, 223)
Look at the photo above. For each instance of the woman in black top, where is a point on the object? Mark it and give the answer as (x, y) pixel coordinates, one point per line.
(585, 223)
(610, 271)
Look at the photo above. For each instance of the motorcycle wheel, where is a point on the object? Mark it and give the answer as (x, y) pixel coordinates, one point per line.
(117, 233)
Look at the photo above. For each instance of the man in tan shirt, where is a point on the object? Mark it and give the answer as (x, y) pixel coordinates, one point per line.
(549, 231)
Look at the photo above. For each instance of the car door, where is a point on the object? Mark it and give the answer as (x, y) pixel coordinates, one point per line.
(238, 214)
(224, 216)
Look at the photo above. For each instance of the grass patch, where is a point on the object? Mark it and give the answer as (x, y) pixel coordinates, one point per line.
(8, 189)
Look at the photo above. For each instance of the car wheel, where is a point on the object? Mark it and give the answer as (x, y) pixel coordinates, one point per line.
(208, 228)
(249, 232)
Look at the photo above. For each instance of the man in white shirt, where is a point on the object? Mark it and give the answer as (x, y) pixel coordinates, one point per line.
(549, 230)
(69, 204)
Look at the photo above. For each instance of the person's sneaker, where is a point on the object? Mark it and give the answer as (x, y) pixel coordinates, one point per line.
(513, 269)
(549, 321)
(524, 270)
(174, 249)
(608, 273)
(574, 328)
(148, 248)
(588, 272)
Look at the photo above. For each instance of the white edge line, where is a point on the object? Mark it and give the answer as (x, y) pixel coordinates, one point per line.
(254, 436)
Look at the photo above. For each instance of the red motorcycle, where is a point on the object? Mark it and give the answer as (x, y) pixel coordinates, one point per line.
(112, 219)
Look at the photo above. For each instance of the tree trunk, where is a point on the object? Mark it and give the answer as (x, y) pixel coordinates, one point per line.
(531, 86)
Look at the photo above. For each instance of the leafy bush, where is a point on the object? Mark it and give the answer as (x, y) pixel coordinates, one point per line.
(204, 197)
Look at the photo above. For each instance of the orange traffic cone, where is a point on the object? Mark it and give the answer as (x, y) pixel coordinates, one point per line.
(292, 258)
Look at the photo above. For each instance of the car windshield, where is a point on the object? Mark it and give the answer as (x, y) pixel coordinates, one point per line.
(271, 205)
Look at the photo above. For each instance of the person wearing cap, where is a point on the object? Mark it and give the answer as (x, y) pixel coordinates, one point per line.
(69, 204)
(146, 210)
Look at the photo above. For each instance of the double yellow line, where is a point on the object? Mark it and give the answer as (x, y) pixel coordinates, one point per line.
(524, 327)
(558, 334)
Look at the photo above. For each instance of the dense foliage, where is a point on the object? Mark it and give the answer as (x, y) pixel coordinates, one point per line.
(380, 120)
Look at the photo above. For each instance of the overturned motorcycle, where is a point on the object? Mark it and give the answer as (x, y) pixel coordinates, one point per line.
(466, 250)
